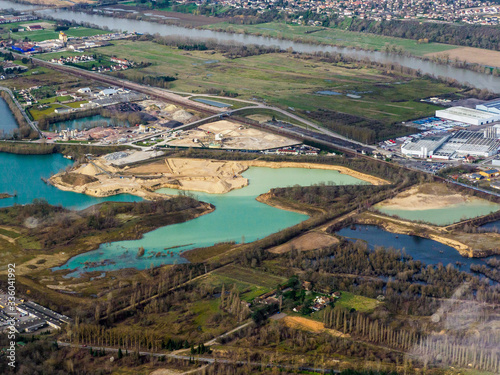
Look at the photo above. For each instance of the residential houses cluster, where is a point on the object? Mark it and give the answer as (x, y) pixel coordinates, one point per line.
(73, 59)
(9, 18)
(378, 10)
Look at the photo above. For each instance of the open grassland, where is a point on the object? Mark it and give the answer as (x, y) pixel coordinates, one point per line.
(251, 276)
(333, 36)
(46, 77)
(248, 291)
(359, 303)
(286, 80)
(41, 113)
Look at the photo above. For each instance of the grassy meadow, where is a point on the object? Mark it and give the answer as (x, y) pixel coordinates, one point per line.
(285, 80)
(333, 36)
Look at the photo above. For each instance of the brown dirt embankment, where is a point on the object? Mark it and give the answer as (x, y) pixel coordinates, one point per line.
(426, 197)
(309, 325)
(77, 179)
(306, 242)
(5, 195)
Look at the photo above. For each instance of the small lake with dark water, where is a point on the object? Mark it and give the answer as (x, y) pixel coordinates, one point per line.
(423, 249)
(7, 123)
(87, 123)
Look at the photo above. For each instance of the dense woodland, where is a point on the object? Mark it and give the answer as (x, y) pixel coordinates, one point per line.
(358, 128)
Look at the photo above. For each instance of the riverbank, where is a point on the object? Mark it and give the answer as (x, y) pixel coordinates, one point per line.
(473, 59)
(5, 195)
(99, 178)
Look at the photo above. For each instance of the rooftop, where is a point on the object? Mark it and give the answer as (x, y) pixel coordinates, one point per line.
(493, 104)
(467, 112)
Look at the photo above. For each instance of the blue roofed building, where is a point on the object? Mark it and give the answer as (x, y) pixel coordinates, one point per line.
(491, 106)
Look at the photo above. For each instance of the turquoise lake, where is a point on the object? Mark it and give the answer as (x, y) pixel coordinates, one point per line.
(237, 216)
(22, 175)
(444, 216)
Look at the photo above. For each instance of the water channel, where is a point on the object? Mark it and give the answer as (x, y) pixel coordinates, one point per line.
(8, 123)
(478, 80)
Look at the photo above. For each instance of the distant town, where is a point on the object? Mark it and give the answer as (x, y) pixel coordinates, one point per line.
(469, 11)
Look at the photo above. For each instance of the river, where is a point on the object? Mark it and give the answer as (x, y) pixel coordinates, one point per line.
(463, 76)
(8, 123)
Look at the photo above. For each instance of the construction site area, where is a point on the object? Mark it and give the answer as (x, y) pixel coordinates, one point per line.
(103, 176)
(229, 135)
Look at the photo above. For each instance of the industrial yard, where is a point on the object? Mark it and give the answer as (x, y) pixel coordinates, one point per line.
(229, 135)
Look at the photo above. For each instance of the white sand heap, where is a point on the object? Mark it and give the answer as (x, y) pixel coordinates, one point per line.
(182, 115)
(170, 108)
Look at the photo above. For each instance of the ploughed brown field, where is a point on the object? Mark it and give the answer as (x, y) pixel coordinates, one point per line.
(471, 55)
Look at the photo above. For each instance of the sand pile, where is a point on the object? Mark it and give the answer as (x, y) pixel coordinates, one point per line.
(77, 179)
(170, 108)
(89, 170)
(182, 115)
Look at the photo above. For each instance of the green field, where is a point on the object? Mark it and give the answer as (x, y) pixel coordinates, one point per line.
(286, 81)
(333, 36)
(54, 99)
(9, 233)
(352, 301)
(249, 282)
(40, 113)
(251, 276)
(48, 32)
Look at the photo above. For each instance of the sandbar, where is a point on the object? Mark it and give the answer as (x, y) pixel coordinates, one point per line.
(427, 197)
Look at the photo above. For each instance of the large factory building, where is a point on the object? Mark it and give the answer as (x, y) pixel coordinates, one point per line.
(468, 115)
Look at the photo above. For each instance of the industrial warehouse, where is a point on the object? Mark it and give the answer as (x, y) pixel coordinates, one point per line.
(453, 146)
(468, 115)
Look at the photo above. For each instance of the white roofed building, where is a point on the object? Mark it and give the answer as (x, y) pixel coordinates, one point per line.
(468, 115)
